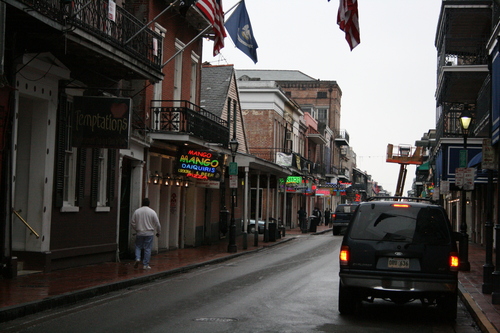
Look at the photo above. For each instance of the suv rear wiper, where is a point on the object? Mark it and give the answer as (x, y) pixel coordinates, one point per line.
(396, 237)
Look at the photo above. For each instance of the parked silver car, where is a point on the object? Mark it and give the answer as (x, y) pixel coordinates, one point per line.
(251, 226)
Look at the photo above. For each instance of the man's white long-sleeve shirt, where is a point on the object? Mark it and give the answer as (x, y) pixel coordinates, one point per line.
(145, 221)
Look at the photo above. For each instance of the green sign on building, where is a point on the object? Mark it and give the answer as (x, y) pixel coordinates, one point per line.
(463, 158)
(233, 168)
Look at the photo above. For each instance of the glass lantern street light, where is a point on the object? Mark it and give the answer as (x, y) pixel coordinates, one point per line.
(465, 121)
(232, 248)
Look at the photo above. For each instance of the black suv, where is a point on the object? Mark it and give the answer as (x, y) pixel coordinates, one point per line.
(342, 217)
(399, 251)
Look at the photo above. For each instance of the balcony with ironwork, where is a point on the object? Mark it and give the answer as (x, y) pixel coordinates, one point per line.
(333, 171)
(315, 136)
(448, 125)
(287, 158)
(344, 174)
(184, 121)
(462, 71)
(81, 34)
(342, 137)
(463, 32)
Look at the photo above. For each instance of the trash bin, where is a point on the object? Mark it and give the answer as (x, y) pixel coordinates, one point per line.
(281, 230)
(313, 223)
(272, 231)
(223, 221)
(304, 225)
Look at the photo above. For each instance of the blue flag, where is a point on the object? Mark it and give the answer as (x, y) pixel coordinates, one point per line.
(239, 28)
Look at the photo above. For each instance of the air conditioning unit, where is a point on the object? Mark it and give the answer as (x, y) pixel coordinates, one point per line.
(289, 136)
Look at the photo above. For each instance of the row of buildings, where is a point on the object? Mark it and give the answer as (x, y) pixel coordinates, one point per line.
(461, 170)
(99, 109)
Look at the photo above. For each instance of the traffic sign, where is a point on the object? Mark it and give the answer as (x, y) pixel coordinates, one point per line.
(488, 158)
(469, 175)
(459, 177)
(233, 181)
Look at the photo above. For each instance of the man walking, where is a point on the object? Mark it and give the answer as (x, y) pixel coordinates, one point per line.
(302, 219)
(145, 222)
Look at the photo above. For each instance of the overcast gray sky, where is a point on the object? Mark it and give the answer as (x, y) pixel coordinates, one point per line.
(388, 81)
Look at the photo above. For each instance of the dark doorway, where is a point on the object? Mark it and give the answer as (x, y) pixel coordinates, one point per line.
(253, 204)
(289, 212)
(125, 210)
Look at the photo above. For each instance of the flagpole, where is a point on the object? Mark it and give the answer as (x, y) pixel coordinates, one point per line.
(230, 9)
(147, 25)
(199, 35)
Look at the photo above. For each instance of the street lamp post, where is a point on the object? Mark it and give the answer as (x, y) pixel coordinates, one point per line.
(465, 120)
(488, 266)
(232, 248)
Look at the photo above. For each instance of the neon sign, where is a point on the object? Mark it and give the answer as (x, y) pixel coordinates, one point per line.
(200, 164)
(294, 180)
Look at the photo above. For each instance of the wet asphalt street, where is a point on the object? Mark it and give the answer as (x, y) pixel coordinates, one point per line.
(287, 288)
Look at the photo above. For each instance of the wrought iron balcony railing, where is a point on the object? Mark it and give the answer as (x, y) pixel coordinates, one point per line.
(448, 125)
(92, 17)
(186, 117)
(342, 135)
(139, 128)
(287, 158)
(467, 52)
(270, 154)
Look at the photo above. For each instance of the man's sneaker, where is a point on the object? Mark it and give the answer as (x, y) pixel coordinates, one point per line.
(147, 267)
(136, 264)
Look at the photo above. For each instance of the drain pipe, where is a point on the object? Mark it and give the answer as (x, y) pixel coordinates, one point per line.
(6, 269)
(2, 40)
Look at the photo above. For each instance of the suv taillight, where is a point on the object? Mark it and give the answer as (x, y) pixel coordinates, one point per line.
(344, 255)
(334, 215)
(454, 262)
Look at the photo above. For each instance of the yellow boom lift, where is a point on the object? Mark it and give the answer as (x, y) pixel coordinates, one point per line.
(404, 155)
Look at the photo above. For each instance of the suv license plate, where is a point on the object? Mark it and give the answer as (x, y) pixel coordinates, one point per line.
(398, 263)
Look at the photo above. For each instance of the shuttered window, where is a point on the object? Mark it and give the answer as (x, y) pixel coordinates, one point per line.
(70, 161)
(103, 178)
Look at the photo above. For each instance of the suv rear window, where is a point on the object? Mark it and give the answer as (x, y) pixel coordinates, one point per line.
(346, 208)
(419, 225)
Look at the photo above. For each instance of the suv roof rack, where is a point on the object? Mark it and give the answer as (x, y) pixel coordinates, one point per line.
(397, 198)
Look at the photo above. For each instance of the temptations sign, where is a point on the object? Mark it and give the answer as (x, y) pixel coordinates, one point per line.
(101, 122)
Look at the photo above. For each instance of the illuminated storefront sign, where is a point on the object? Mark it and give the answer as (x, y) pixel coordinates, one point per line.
(203, 165)
(293, 180)
(323, 192)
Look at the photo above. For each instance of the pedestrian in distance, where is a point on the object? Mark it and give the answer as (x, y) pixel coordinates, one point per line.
(316, 220)
(328, 216)
(146, 224)
(302, 219)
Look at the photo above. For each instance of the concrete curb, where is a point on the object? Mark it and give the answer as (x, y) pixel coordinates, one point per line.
(481, 320)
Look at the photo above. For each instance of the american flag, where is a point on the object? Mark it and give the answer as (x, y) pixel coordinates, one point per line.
(347, 19)
(213, 11)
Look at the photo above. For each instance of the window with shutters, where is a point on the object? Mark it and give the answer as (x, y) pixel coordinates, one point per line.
(195, 59)
(102, 195)
(178, 71)
(321, 94)
(70, 161)
(103, 174)
(322, 115)
(70, 154)
(69, 176)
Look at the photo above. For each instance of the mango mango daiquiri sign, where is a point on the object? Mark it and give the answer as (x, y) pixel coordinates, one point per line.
(204, 165)
(101, 122)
